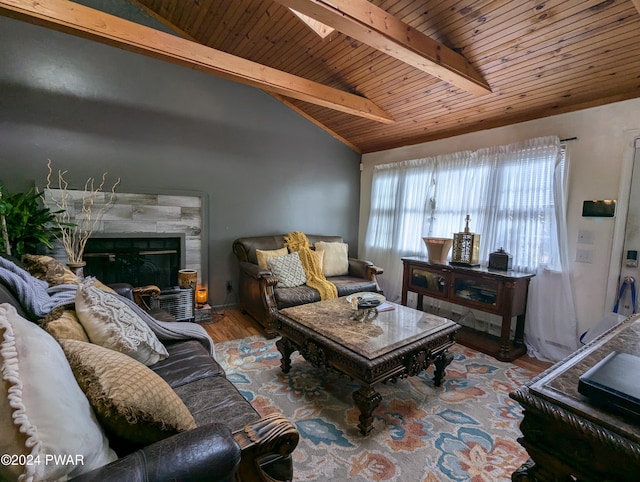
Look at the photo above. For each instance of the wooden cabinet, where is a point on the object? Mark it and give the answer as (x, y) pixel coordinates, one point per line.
(502, 293)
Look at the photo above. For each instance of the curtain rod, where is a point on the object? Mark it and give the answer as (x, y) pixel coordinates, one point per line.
(569, 139)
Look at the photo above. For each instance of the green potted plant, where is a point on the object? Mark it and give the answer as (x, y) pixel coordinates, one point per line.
(25, 223)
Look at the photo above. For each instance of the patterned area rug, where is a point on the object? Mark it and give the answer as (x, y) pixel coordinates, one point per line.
(464, 430)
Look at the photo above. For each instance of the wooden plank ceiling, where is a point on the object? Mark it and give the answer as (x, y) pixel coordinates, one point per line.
(531, 58)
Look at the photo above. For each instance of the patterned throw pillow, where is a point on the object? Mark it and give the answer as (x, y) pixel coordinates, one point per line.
(288, 269)
(130, 400)
(49, 269)
(336, 258)
(111, 323)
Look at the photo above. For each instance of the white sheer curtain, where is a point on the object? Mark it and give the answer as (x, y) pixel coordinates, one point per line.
(551, 329)
(400, 206)
(515, 196)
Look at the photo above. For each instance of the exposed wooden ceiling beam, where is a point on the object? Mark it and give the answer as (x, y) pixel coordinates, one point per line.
(373, 26)
(637, 4)
(94, 25)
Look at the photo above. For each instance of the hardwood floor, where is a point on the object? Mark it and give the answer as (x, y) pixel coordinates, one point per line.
(233, 325)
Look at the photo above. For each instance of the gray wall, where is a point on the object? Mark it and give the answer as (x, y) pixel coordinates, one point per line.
(91, 108)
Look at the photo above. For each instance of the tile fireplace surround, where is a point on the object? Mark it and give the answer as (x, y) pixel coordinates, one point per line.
(152, 214)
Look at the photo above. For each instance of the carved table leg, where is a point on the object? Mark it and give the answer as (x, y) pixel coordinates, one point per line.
(367, 399)
(441, 362)
(286, 349)
(532, 472)
(523, 473)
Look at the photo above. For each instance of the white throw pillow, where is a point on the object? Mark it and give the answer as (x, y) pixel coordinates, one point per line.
(110, 323)
(288, 270)
(43, 412)
(336, 258)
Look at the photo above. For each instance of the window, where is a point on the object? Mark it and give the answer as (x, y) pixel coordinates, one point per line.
(508, 191)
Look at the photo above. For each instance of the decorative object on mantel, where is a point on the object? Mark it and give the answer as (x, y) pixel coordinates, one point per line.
(466, 247)
(500, 260)
(76, 227)
(438, 249)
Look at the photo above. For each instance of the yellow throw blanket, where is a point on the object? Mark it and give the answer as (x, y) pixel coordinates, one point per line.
(297, 241)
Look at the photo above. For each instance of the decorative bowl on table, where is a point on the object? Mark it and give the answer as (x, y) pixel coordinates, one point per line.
(365, 305)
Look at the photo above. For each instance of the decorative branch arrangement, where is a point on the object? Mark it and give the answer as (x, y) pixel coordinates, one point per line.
(74, 232)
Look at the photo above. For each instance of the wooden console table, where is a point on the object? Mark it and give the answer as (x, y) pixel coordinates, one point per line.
(502, 293)
(566, 436)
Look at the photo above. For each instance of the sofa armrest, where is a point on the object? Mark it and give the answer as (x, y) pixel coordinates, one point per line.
(136, 293)
(256, 272)
(193, 455)
(266, 449)
(364, 269)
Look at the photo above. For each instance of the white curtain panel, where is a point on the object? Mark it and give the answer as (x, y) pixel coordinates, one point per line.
(551, 329)
(515, 196)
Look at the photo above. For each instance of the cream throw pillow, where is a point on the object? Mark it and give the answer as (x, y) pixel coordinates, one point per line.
(263, 255)
(129, 399)
(42, 409)
(111, 323)
(336, 258)
(320, 258)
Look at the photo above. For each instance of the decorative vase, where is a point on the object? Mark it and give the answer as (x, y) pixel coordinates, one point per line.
(188, 278)
(438, 249)
(77, 268)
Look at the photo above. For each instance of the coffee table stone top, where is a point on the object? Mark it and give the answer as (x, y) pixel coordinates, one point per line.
(370, 339)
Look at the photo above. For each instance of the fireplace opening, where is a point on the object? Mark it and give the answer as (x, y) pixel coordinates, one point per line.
(140, 260)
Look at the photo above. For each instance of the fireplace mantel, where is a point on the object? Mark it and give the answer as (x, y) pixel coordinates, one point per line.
(149, 215)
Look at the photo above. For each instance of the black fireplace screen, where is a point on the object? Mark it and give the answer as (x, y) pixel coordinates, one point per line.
(138, 261)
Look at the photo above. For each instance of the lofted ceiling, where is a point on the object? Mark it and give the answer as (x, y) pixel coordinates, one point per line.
(389, 73)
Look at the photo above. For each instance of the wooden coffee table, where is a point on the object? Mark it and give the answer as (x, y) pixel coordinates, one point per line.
(396, 344)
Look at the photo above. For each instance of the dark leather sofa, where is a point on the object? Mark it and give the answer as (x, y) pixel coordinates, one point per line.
(259, 293)
(231, 441)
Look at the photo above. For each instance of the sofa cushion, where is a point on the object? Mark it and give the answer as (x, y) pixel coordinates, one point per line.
(111, 323)
(129, 399)
(288, 270)
(288, 297)
(214, 399)
(42, 409)
(348, 285)
(262, 255)
(188, 362)
(336, 258)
